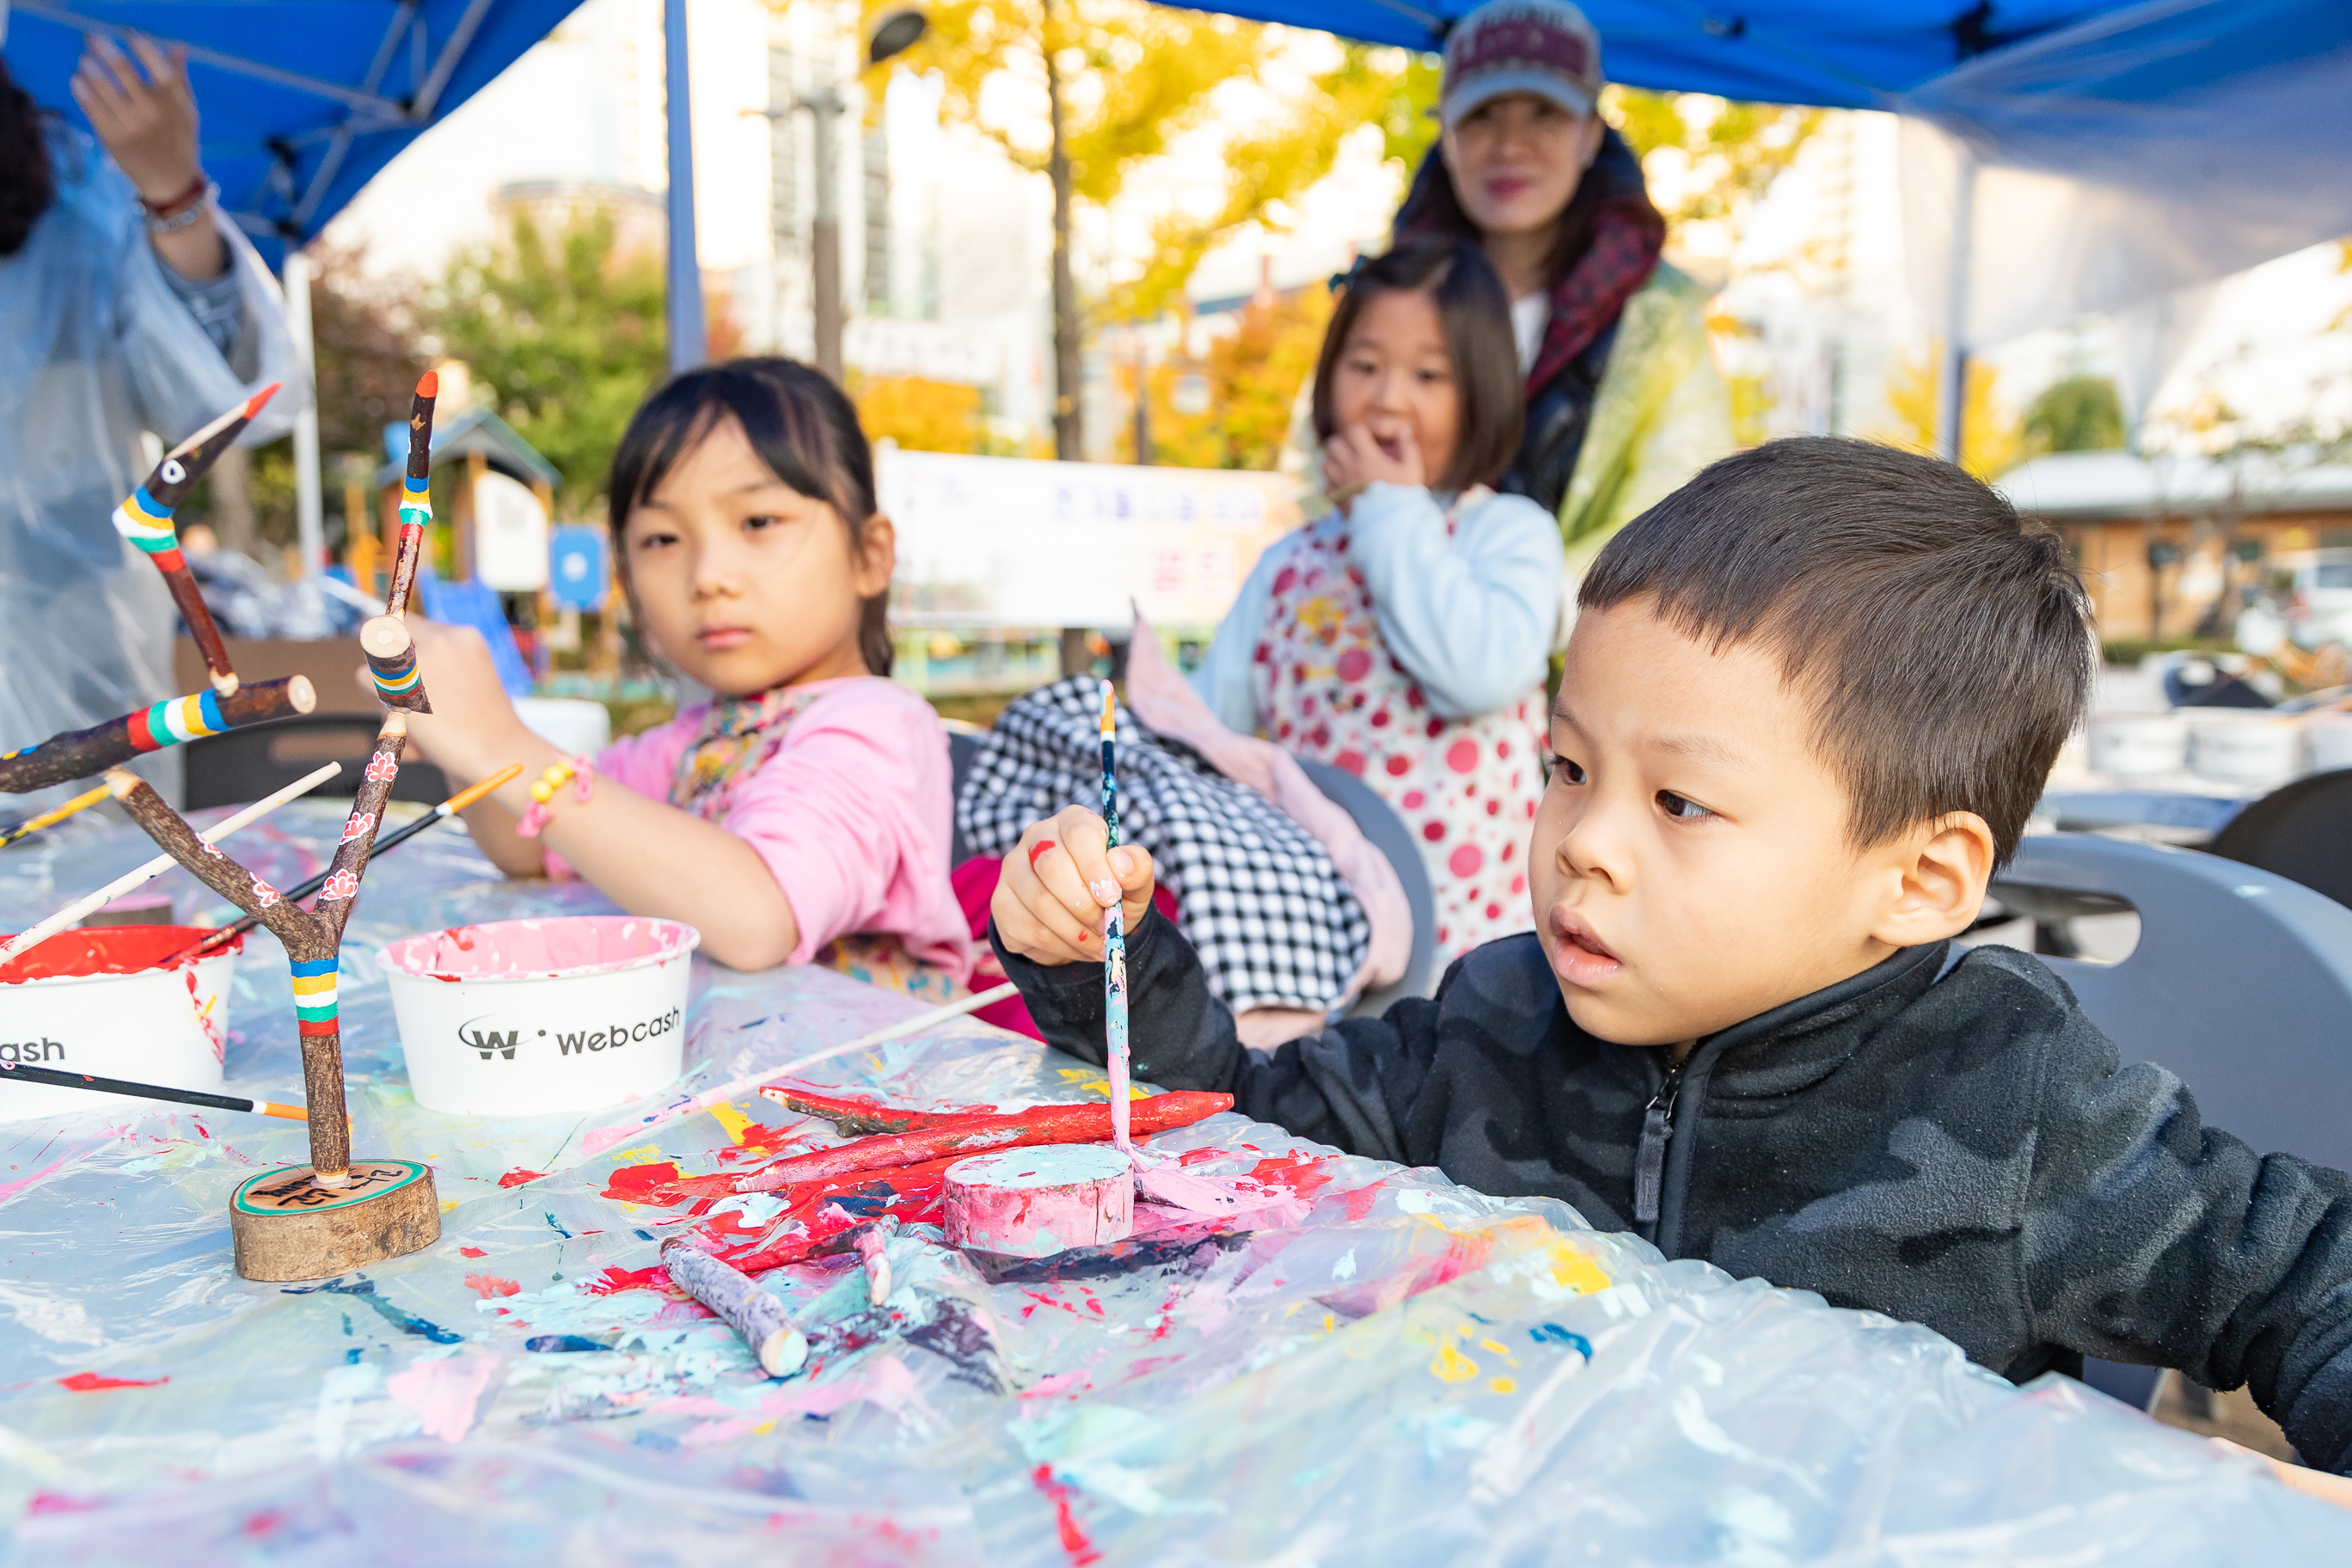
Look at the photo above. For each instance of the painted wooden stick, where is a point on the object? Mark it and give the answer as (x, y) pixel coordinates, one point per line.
(54, 816)
(603, 1138)
(854, 1116)
(416, 494)
(979, 1135)
(392, 664)
(86, 754)
(390, 841)
(13, 1071)
(144, 518)
(162, 863)
(740, 1303)
(313, 939)
(1114, 935)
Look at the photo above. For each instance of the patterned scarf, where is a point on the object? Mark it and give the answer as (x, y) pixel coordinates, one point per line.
(1627, 236)
(738, 734)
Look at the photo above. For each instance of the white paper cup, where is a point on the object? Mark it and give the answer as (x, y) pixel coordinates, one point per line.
(2246, 747)
(95, 1000)
(2138, 744)
(532, 1017)
(2329, 737)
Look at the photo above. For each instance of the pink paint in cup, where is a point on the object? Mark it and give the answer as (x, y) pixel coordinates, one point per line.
(534, 1017)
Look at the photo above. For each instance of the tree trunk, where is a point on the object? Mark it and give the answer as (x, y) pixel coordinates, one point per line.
(1069, 429)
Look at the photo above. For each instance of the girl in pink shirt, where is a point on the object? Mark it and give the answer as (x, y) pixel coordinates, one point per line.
(804, 814)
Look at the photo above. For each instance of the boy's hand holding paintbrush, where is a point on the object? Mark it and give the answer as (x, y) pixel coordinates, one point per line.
(1059, 881)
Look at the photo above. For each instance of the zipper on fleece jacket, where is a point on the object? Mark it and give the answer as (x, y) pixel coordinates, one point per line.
(1650, 1157)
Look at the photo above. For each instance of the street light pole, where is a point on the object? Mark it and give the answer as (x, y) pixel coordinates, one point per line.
(689, 344)
(825, 233)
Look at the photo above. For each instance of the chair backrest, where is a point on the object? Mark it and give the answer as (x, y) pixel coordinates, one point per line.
(2302, 831)
(1378, 822)
(240, 766)
(2241, 983)
(963, 745)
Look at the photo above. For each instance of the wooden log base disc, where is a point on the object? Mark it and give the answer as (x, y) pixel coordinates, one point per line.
(286, 1226)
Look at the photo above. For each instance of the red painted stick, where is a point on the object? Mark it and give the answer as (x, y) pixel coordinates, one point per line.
(1039, 1124)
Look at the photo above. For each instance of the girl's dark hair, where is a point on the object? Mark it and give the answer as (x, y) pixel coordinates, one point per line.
(800, 425)
(1477, 320)
(28, 184)
(1432, 206)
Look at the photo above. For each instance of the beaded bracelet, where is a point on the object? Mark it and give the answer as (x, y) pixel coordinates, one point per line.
(557, 775)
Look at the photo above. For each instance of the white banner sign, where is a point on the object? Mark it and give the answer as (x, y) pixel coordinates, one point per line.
(1015, 542)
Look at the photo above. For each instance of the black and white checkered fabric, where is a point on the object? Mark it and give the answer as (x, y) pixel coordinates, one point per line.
(1273, 923)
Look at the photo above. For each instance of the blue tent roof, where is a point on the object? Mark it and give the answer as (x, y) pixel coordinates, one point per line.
(303, 100)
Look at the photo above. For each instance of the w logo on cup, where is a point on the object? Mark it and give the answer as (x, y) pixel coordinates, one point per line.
(488, 1040)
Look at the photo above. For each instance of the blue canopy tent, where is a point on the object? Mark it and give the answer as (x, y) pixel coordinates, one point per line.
(2102, 157)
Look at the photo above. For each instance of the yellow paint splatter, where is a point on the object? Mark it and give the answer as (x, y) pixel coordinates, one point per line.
(1330, 1322)
(734, 1120)
(448, 1203)
(1576, 1271)
(1504, 1385)
(1451, 1366)
(644, 1156)
(1497, 1346)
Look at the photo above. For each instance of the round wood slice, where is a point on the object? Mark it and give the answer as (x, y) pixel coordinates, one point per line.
(285, 1226)
(1034, 1202)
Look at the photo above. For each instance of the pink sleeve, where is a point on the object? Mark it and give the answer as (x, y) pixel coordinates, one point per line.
(853, 817)
(643, 763)
(646, 762)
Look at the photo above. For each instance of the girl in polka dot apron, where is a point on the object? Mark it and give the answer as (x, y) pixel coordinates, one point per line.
(1404, 637)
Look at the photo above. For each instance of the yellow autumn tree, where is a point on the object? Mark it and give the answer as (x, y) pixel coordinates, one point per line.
(921, 414)
(1114, 83)
(1992, 439)
(1241, 391)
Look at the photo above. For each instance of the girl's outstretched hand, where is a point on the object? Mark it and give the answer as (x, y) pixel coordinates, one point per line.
(1058, 880)
(473, 730)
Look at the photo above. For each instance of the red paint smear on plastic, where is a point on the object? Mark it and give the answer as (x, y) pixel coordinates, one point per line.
(1303, 1174)
(654, 1277)
(471, 1252)
(92, 1383)
(518, 1177)
(1361, 1200)
(642, 1184)
(57, 1502)
(1074, 1539)
(489, 1285)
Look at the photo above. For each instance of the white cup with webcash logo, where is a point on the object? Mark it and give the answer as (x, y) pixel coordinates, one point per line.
(121, 1002)
(534, 1017)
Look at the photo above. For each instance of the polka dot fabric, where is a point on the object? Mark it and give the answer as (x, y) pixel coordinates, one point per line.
(1329, 688)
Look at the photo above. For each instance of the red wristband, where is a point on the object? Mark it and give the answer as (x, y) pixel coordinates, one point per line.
(192, 193)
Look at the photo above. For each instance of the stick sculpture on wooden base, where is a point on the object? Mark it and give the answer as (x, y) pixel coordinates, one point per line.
(335, 1214)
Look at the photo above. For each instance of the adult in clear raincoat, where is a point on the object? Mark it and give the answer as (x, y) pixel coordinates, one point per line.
(129, 306)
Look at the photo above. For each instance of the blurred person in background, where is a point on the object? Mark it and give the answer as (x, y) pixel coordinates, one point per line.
(1623, 402)
(129, 304)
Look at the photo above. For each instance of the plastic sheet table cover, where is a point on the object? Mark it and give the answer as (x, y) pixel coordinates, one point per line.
(1412, 1373)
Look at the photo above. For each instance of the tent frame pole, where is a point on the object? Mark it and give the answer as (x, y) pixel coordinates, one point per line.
(309, 518)
(1952, 375)
(690, 345)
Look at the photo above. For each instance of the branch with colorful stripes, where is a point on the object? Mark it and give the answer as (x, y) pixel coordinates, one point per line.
(313, 938)
(144, 518)
(416, 494)
(85, 753)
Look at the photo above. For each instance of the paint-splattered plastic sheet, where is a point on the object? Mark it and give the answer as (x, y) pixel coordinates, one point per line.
(1409, 1373)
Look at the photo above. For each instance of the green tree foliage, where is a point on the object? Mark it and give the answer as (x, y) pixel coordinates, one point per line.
(2079, 413)
(566, 334)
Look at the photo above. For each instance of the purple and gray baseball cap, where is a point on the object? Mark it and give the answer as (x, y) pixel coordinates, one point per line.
(1540, 46)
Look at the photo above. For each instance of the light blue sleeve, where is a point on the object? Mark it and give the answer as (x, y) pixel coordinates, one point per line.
(1470, 616)
(1223, 679)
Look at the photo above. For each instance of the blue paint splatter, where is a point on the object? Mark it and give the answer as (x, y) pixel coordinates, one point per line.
(645, 1235)
(1553, 1334)
(365, 1290)
(351, 1356)
(557, 1345)
(557, 1228)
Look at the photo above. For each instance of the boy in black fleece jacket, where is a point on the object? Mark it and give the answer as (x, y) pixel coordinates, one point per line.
(1809, 702)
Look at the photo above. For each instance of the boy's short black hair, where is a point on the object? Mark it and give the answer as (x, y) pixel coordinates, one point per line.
(1947, 646)
(1476, 314)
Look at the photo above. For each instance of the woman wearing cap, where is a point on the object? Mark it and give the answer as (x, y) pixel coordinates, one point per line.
(128, 303)
(1623, 402)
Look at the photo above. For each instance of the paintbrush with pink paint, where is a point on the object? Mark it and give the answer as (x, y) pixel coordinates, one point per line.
(1114, 934)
